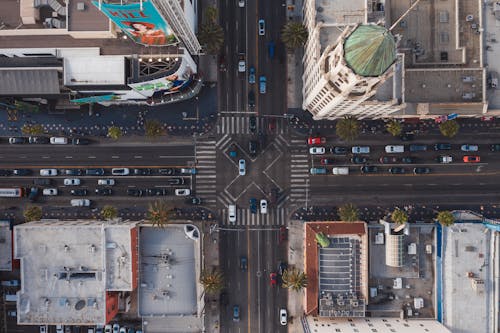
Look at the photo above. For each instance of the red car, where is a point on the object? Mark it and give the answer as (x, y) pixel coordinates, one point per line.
(315, 140)
(273, 279)
(472, 159)
(326, 161)
(282, 234)
(272, 125)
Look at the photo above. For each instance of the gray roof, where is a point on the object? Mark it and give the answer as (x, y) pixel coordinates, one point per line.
(29, 82)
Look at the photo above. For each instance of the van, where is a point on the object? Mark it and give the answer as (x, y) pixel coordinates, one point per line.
(390, 149)
(58, 140)
(340, 171)
(232, 214)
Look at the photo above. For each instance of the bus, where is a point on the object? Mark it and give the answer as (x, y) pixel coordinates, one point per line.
(11, 192)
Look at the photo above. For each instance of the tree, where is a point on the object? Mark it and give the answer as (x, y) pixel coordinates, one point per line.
(294, 35)
(211, 34)
(294, 279)
(347, 128)
(322, 240)
(32, 129)
(159, 213)
(348, 212)
(449, 128)
(109, 212)
(114, 132)
(446, 218)
(399, 216)
(394, 127)
(212, 281)
(153, 128)
(32, 213)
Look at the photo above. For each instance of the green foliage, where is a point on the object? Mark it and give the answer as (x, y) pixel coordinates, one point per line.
(347, 128)
(212, 281)
(294, 35)
(348, 212)
(449, 128)
(322, 240)
(32, 213)
(32, 129)
(114, 132)
(211, 34)
(446, 218)
(394, 127)
(109, 212)
(159, 213)
(294, 279)
(153, 128)
(399, 216)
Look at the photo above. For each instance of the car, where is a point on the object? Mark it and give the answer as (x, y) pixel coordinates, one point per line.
(271, 46)
(242, 167)
(397, 170)
(48, 172)
(59, 329)
(22, 172)
(445, 159)
(282, 267)
(38, 140)
(262, 84)
(131, 330)
(5, 172)
(388, 160)
(80, 202)
(340, 171)
(17, 140)
(135, 192)
(251, 98)
(251, 75)
(103, 191)
(79, 191)
(98, 329)
(166, 171)
(188, 171)
(193, 201)
(408, 159)
(393, 149)
(80, 141)
(418, 147)
(471, 159)
(73, 172)
(369, 169)
(108, 329)
(252, 124)
(42, 181)
(358, 160)
(94, 172)
(442, 146)
(55, 140)
(360, 150)
(142, 172)
(421, 170)
(271, 125)
(116, 328)
(182, 192)
(408, 136)
(222, 63)
(49, 191)
(263, 206)
(326, 161)
(241, 3)
(315, 140)
(71, 181)
(262, 27)
(253, 205)
(243, 263)
(283, 317)
(91, 330)
(318, 171)
(241, 64)
(157, 191)
(317, 150)
(120, 171)
(469, 148)
(236, 313)
(106, 182)
(123, 330)
(252, 147)
(33, 194)
(43, 329)
(231, 209)
(338, 150)
(273, 279)
(176, 181)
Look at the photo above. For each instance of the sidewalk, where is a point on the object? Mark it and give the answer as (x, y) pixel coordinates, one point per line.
(211, 259)
(296, 260)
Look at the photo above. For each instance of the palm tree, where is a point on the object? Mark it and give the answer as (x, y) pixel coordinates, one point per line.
(322, 240)
(159, 213)
(348, 212)
(394, 127)
(399, 216)
(114, 132)
(153, 128)
(212, 281)
(211, 34)
(109, 212)
(449, 128)
(32, 213)
(294, 279)
(294, 35)
(347, 128)
(446, 218)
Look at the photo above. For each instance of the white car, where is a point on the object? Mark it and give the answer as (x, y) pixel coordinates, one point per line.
(120, 171)
(59, 329)
(317, 150)
(123, 330)
(283, 317)
(116, 328)
(58, 140)
(262, 27)
(263, 206)
(49, 191)
(232, 213)
(48, 172)
(469, 148)
(242, 167)
(80, 202)
(241, 66)
(360, 150)
(108, 329)
(108, 182)
(241, 3)
(182, 192)
(71, 181)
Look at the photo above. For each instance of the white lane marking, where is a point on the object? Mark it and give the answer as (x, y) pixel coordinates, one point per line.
(42, 157)
(114, 156)
(68, 156)
(137, 156)
(91, 157)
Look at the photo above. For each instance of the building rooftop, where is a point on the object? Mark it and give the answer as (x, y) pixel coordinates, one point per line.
(67, 268)
(5, 246)
(82, 70)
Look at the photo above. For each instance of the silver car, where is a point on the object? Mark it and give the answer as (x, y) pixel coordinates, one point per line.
(242, 167)
(262, 27)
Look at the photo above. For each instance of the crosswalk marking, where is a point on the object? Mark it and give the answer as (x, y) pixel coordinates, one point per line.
(244, 217)
(205, 178)
(240, 124)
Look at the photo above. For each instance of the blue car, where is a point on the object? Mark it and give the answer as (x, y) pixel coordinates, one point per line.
(253, 206)
(251, 75)
(262, 84)
(236, 313)
(270, 48)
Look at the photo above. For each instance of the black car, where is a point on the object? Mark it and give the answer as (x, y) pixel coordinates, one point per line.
(103, 191)
(421, 170)
(193, 201)
(141, 172)
(22, 172)
(156, 191)
(80, 141)
(34, 193)
(94, 172)
(397, 170)
(369, 169)
(358, 160)
(251, 99)
(338, 150)
(418, 147)
(176, 181)
(79, 191)
(253, 206)
(134, 192)
(408, 159)
(388, 160)
(5, 172)
(252, 147)
(167, 171)
(73, 172)
(38, 140)
(252, 125)
(17, 140)
(42, 181)
(282, 267)
(495, 147)
(442, 146)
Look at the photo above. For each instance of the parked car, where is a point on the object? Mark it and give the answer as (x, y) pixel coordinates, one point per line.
(396, 170)
(282, 235)
(182, 192)
(79, 192)
(262, 27)
(94, 172)
(116, 328)
(142, 172)
(338, 150)
(135, 192)
(326, 161)
(418, 147)
(358, 160)
(60, 329)
(17, 140)
(393, 149)
(108, 329)
(445, 159)
(157, 191)
(369, 169)
(243, 263)
(251, 75)
(495, 147)
(120, 171)
(421, 170)
(315, 140)
(107, 182)
(48, 172)
(408, 160)
(71, 181)
(253, 205)
(22, 172)
(38, 140)
(42, 181)
(263, 206)
(193, 201)
(73, 172)
(318, 171)
(33, 194)
(388, 160)
(80, 141)
(283, 317)
(176, 181)
(282, 267)
(5, 172)
(166, 171)
(340, 171)
(49, 191)
(58, 140)
(188, 171)
(103, 191)
(471, 159)
(317, 150)
(273, 279)
(262, 84)
(80, 202)
(242, 167)
(360, 150)
(469, 148)
(442, 146)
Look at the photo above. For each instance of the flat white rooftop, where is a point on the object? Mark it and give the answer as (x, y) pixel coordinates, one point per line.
(5, 246)
(105, 70)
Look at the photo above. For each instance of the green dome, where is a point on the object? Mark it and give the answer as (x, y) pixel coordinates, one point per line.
(370, 50)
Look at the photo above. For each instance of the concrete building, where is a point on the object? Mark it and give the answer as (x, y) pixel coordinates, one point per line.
(72, 271)
(5, 246)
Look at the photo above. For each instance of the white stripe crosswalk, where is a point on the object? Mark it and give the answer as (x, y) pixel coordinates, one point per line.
(299, 172)
(240, 124)
(206, 177)
(244, 217)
